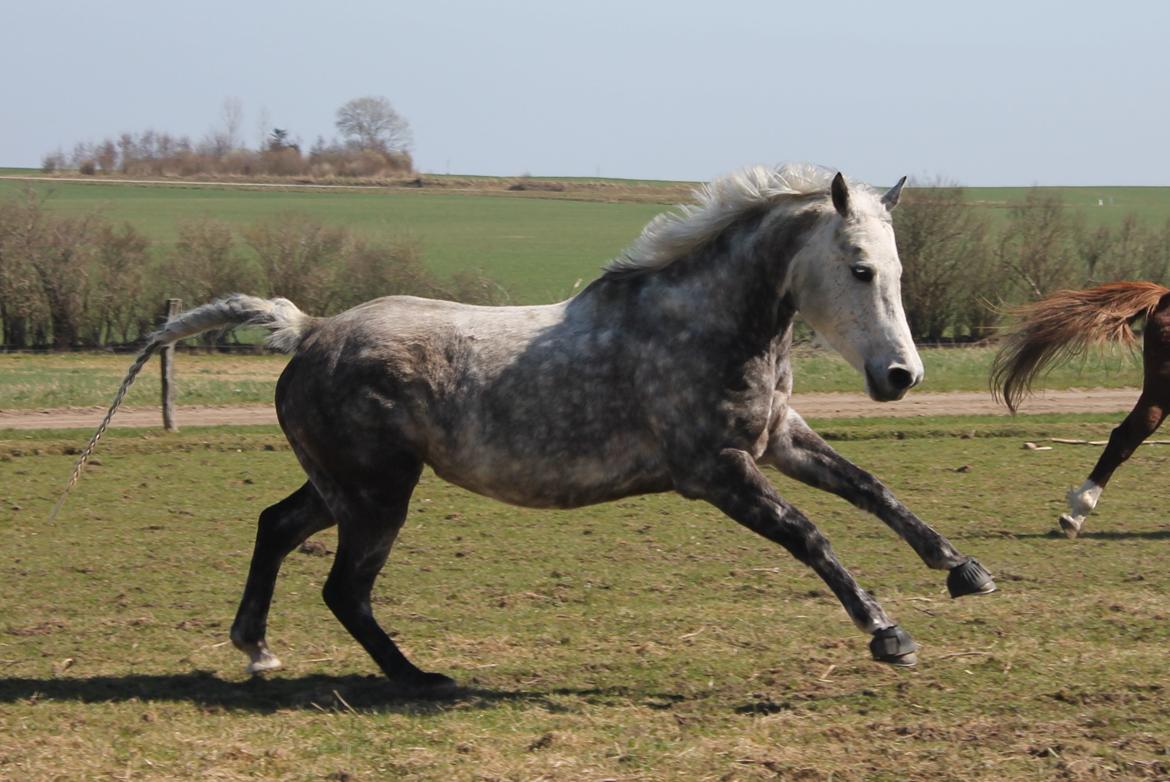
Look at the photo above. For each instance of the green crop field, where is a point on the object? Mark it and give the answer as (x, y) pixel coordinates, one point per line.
(1097, 205)
(646, 639)
(538, 248)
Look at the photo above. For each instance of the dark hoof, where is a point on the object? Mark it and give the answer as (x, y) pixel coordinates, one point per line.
(969, 578)
(425, 685)
(1067, 525)
(894, 646)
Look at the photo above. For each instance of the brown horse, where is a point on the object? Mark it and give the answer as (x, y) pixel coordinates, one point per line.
(1066, 323)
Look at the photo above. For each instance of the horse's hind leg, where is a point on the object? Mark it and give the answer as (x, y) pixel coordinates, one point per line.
(282, 527)
(1143, 421)
(800, 453)
(369, 519)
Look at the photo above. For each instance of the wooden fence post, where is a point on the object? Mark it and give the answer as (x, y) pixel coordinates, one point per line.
(168, 373)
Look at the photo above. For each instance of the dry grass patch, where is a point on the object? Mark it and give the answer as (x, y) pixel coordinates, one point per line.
(647, 639)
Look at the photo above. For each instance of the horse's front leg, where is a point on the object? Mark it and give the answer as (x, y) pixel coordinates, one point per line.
(732, 482)
(800, 453)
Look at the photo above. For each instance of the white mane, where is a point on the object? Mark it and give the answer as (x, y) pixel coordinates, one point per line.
(717, 205)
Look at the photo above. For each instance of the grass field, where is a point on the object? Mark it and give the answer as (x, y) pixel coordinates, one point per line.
(647, 639)
(82, 379)
(537, 248)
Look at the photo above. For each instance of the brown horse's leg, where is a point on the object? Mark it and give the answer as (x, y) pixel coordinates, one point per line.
(283, 527)
(1143, 421)
(1145, 418)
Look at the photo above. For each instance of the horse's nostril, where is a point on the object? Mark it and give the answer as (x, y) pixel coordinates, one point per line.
(900, 378)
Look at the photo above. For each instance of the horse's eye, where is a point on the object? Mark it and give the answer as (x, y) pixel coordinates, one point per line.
(863, 273)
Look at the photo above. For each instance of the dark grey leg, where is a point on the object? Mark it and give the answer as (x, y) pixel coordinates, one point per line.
(733, 483)
(369, 521)
(800, 453)
(283, 527)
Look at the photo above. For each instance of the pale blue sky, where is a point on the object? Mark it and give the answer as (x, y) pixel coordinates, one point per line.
(983, 93)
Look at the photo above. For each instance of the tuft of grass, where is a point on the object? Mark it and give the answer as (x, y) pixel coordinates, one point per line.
(646, 639)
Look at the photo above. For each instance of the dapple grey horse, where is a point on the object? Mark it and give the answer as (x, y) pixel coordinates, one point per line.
(670, 372)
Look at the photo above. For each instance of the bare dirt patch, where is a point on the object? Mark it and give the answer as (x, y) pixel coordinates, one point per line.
(835, 405)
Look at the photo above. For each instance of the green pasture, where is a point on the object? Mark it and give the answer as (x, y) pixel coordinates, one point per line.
(32, 381)
(1098, 205)
(538, 248)
(645, 639)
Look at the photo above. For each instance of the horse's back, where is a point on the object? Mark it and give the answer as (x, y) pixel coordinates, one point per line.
(532, 405)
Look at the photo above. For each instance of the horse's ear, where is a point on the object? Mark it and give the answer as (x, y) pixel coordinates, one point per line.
(890, 199)
(840, 192)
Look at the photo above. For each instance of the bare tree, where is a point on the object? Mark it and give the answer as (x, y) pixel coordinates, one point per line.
(263, 127)
(106, 154)
(232, 115)
(1035, 245)
(372, 123)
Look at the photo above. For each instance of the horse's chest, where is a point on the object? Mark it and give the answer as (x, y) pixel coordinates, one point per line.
(748, 420)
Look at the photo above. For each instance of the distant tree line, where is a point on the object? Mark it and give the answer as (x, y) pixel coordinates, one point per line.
(84, 281)
(375, 142)
(961, 269)
(72, 281)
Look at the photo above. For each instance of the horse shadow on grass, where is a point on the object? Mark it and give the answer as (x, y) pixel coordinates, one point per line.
(310, 693)
(1055, 534)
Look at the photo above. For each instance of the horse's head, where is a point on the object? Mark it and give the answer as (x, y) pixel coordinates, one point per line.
(846, 282)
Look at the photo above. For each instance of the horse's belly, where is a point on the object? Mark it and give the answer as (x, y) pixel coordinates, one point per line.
(552, 482)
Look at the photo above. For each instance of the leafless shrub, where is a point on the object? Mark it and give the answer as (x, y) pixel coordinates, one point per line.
(205, 264)
(299, 258)
(22, 305)
(116, 294)
(1131, 251)
(373, 269)
(53, 162)
(1035, 247)
(943, 246)
(56, 253)
(474, 287)
(79, 280)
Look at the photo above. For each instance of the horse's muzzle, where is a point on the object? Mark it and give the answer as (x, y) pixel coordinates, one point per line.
(891, 385)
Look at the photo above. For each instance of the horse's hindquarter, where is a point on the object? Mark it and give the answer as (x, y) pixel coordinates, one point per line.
(531, 405)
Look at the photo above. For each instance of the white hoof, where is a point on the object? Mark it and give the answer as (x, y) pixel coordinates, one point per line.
(1071, 526)
(263, 662)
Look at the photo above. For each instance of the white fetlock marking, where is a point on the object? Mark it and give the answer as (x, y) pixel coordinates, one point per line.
(1081, 501)
(262, 661)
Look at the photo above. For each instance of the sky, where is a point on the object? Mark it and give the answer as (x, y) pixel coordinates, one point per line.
(976, 93)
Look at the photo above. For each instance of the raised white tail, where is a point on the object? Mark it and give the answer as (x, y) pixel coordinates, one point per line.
(286, 322)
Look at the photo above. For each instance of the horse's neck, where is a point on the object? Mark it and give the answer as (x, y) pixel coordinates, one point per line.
(729, 288)
(733, 286)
